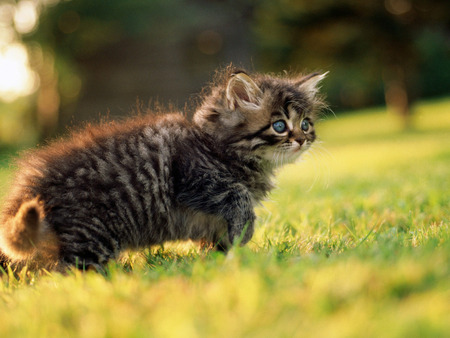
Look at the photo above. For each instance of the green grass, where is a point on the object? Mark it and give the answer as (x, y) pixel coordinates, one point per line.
(353, 243)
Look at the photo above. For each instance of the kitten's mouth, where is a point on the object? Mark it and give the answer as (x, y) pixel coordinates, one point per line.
(294, 149)
(297, 147)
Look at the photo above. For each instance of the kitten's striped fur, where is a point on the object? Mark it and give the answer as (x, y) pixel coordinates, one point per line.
(153, 179)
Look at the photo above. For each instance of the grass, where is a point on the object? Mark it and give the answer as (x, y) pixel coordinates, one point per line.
(353, 243)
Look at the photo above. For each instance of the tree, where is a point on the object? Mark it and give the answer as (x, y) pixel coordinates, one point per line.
(100, 50)
(374, 40)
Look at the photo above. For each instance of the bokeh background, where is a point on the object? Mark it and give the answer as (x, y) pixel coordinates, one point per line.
(67, 62)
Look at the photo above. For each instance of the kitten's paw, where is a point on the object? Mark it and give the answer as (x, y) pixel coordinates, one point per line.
(247, 235)
(241, 235)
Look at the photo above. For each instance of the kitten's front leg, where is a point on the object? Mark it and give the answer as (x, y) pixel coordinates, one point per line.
(240, 217)
(222, 242)
(224, 198)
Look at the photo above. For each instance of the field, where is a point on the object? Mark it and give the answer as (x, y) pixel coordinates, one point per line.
(354, 242)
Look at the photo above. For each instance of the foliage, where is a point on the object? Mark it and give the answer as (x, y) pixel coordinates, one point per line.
(74, 43)
(373, 48)
(354, 242)
(376, 51)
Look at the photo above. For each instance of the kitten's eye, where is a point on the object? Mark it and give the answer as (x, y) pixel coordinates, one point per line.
(305, 125)
(279, 126)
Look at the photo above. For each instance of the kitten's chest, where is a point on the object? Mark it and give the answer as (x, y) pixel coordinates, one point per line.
(243, 171)
(257, 179)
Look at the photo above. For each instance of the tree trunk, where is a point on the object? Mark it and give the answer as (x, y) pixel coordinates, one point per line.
(397, 94)
(48, 99)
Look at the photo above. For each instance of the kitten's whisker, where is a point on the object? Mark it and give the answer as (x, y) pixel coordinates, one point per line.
(314, 163)
(320, 155)
(275, 157)
(327, 166)
(319, 145)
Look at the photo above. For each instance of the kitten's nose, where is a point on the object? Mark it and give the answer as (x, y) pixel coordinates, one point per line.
(300, 140)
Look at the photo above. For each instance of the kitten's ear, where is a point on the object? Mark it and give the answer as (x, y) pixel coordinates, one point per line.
(309, 84)
(243, 92)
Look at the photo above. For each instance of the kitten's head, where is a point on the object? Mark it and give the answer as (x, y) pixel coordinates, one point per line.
(269, 117)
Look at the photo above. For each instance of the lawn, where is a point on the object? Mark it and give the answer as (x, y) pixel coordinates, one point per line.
(354, 242)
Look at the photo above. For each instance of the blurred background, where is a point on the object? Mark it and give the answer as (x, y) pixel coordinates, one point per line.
(66, 62)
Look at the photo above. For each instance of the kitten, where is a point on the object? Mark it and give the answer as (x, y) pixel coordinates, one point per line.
(117, 186)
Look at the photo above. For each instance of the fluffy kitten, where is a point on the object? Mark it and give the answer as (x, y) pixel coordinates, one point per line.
(80, 202)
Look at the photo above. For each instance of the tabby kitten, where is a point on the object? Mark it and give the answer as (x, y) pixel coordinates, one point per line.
(117, 186)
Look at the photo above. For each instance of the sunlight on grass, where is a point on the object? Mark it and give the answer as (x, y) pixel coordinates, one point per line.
(373, 141)
(353, 242)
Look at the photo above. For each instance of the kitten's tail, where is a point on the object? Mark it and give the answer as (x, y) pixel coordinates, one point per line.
(20, 234)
